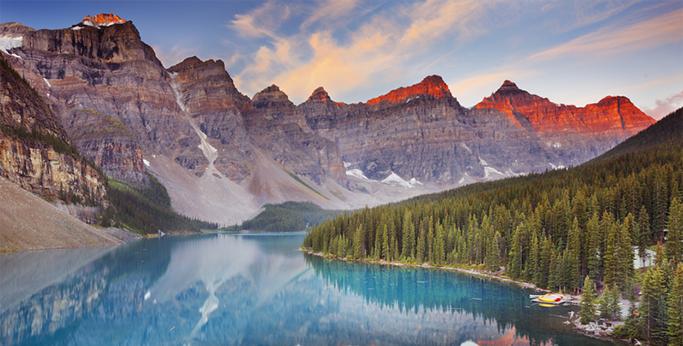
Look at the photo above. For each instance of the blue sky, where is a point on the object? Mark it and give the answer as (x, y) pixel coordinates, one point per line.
(573, 52)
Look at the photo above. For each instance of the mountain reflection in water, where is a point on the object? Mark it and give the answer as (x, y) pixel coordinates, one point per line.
(255, 289)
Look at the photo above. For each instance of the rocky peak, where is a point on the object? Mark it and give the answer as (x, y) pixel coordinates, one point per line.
(509, 87)
(102, 19)
(320, 95)
(186, 64)
(270, 96)
(432, 86)
(612, 113)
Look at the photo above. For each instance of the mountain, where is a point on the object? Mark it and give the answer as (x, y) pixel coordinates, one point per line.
(222, 155)
(575, 134)
(38, 164)
(541, 228)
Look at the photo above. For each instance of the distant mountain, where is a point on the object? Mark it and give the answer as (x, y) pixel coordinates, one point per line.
(575, 134)
(222, 155)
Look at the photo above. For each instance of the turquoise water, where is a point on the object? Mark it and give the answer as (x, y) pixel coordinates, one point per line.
(255, 290)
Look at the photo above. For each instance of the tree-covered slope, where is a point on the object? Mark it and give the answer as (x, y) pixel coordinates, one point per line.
(146, 210)
(552, 229)
(287, 217)
(669, 131)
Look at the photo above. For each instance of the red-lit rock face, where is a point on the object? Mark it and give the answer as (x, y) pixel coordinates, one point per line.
(433, 86)
(103, 19)
(611, 114)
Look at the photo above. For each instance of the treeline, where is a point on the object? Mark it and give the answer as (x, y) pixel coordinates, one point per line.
(287, 217)
(552, 229)
(146, 210)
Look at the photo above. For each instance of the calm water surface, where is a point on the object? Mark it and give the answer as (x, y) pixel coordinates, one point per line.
(255, 290)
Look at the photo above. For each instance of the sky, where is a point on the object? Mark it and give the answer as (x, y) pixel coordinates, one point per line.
(573, 52)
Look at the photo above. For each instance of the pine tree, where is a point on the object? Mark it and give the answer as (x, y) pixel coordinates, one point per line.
(674, 249)
(574, 249)
(675, 308)
(653, 307)
(408, 238)
(358, 243)
(625, 253)
(593, 250)
(421, 244)
(515, 260)
(587, 305)
(386, 250)
(611, 256)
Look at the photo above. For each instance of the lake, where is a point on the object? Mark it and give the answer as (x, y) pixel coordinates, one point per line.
(255, 289)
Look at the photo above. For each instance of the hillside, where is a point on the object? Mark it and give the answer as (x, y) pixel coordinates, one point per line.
(31, 223)
(540, 228)
(287, 217)
(667, 131)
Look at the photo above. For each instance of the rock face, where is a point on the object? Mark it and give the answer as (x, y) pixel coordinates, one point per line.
(422, 132)
(34, 150)
(222, 155)
(111, 83)
(576, 134)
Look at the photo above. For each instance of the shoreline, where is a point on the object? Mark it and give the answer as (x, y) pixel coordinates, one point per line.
(573, 301)
(472, 272)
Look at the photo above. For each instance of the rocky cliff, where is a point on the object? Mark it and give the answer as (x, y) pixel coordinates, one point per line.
(422, 132)
(35, 152)
(108, 81)
(576, 134)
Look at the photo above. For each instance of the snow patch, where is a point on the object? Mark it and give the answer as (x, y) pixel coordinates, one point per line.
(488, 171)
(47, 82)
(395, 179)
(357, 173)
(9, 42)
(145, 162)
(466, 148)
(346, 164)
(554, 166)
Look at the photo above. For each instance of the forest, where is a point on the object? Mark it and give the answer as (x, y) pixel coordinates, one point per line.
(146, 210)
(558, 230)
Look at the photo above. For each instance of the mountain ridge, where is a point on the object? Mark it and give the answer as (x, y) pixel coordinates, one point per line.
(210, 144)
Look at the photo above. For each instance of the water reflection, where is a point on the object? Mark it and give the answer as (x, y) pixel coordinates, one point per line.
(253, 289)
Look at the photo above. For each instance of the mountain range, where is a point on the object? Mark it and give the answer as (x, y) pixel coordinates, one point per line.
(222, 155)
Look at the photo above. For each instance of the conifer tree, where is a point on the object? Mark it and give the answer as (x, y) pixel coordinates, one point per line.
(587, 305)
(675, 308)
(386, 249)
(593, 250)
(674, 248)
(574, 255)
(358, 243)
(653, 306)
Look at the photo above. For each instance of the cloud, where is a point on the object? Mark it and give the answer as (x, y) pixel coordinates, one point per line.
(173, 55)
(329, 10)
(381, 48)
(261, 21)
(660, 30)
(664, 107)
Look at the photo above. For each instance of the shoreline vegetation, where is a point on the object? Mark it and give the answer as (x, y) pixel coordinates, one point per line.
(472, 270)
